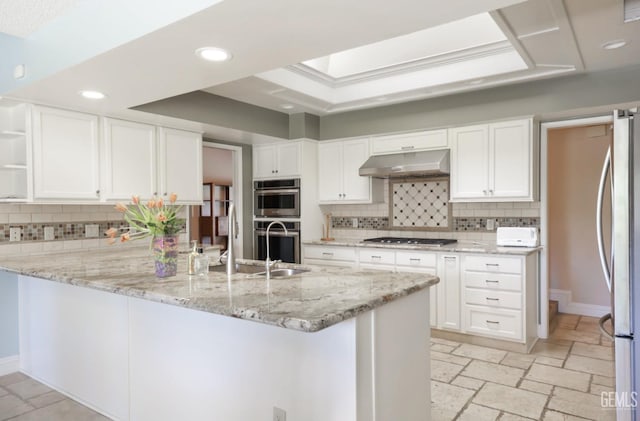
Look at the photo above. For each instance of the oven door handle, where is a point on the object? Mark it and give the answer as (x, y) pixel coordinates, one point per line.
(263, 192)
(278, 233)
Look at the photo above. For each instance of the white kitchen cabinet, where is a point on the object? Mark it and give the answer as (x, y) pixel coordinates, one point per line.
(449, 292)
(376, 259)
(143, 160)
(499, 297)
(129, 151)
(65, 155)
(180, 165)
(493, 162)
(330, 255)
(15, 152)
(410, 142)
(277, 160)
(421, 262)
(339, 180)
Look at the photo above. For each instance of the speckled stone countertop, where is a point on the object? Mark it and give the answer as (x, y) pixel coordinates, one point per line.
(459, 247)
(307, 302)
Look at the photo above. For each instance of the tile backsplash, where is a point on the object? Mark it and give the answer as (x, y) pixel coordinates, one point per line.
(67, 221)
(469, 219)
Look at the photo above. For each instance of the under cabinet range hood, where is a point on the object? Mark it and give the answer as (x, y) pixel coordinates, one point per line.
(417, 164)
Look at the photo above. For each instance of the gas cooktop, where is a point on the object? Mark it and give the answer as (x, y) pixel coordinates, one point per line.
(401, 240)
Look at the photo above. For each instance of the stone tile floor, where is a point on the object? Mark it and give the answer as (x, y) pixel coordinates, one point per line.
(561, 379)
(25, 399)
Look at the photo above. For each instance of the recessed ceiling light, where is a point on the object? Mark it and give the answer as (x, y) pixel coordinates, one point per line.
(287, 106)
(612, 45)
(92, 94)
(475, 82)
(213, 54)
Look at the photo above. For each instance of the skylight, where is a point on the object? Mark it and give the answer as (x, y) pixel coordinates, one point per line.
(464, 34)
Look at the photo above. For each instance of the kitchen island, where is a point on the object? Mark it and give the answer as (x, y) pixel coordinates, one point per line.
(328, 344)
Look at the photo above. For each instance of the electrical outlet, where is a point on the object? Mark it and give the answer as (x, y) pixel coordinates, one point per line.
(14, 233)
(49, 234)
(279, 414)
(354, 222)
(491, 224)
(91, 230)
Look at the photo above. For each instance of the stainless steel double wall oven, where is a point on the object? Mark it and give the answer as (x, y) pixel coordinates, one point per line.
(277, 200)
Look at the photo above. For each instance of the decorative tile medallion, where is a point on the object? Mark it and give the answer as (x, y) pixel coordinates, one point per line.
(420, 204)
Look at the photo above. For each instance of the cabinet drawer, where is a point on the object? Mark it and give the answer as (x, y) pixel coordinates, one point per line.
(493, 264)
(377, 256)
(417, 259)
(501, 299)
(330, 253)
(497, 281)
(493, 322)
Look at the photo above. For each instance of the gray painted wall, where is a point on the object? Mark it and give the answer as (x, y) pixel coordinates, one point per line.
(8, 314)
(540, 98)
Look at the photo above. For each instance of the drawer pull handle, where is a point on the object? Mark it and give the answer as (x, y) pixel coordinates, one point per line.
(376, 257)
(490, 281)
(327, 254)
(405, 148)
(495, 265)
(493, 299)
(449, 257)
(493, 322)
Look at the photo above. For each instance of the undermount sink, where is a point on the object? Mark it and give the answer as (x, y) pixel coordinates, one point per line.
(282, 273)
(240, 268)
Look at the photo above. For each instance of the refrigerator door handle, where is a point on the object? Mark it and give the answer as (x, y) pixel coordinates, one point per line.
(603, 259)
(604, 331)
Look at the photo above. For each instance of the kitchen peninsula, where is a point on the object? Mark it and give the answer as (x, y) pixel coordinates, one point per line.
(328, 344)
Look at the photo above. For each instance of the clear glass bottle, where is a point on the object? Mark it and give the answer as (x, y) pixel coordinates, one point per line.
(192, 259)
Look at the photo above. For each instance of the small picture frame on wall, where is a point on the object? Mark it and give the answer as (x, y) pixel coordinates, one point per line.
(420, 204)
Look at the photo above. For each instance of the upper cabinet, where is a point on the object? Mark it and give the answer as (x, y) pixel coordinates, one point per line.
(129, 150)
(338, 178)
(65, 155)
(180, 165)
(141, 159)
(277, 160)
(410, 142)
(15, 151)
(493, 162)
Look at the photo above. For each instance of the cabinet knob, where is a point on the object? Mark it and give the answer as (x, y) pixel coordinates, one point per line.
(485, 192)
(155, 193)
(97, 192)
(490, 191)
(276, 171)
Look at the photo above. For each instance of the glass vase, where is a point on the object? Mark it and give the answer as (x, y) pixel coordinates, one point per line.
(165, 255)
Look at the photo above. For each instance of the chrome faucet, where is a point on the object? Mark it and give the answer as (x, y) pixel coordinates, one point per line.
(267, 262)
(232, 234)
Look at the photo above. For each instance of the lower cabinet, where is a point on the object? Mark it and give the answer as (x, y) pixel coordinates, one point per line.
(499, 296)
(480, 294)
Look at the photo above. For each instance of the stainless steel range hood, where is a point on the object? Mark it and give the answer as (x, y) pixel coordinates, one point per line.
(422, 163)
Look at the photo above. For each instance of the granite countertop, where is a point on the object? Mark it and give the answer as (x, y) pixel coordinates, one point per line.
(307, 302)
(459, 247)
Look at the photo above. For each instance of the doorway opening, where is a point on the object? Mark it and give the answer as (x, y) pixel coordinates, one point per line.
(570, 277)
(222, 186)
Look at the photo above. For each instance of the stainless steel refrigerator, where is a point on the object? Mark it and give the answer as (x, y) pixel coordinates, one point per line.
(621, 171)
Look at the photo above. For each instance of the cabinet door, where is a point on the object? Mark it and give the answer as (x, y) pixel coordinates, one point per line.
(330, 172)
(288, 160)
(355, 187)
(129, 151)
(264, 161)
(510, 159)
(469, 162)
(65, 155)
(180, 165)
(449, 293)
(434, 139)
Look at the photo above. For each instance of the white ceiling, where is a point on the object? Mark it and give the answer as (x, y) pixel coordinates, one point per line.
(550, 37)
(21, 18)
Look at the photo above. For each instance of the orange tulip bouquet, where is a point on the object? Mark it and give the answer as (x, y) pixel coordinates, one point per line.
(158, 220)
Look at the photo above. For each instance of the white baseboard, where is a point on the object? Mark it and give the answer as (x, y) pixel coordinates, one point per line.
(9, 365)
(566, 305)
